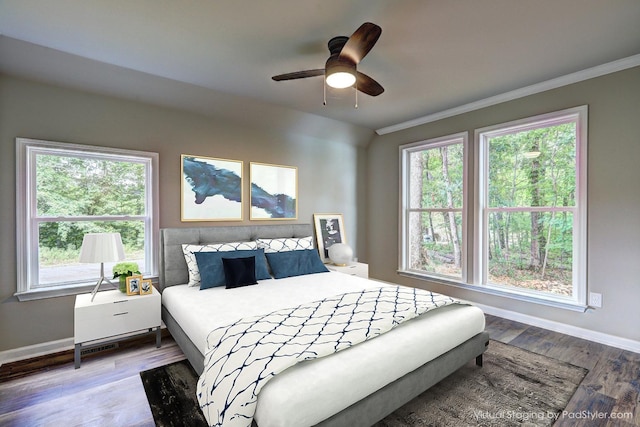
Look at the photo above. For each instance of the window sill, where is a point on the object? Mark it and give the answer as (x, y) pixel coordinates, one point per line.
(44, 293)
(500, 292)
(55, 292)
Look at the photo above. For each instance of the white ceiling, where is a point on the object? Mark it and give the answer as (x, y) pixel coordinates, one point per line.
(433, 55)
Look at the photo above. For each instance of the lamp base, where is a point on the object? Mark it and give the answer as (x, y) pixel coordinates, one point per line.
(100, 280)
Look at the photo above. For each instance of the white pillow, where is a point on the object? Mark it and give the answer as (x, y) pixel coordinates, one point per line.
(286, 244)
(190, 258)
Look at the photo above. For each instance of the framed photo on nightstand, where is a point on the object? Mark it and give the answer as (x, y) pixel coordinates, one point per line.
(146, 287)
(133, 284)
(329, 230)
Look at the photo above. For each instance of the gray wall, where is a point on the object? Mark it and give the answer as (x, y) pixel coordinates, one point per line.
(613, 199)
(331, 169)
(335, 175)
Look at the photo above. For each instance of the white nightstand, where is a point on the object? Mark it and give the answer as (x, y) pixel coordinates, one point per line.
(354, 269)
(111, 314)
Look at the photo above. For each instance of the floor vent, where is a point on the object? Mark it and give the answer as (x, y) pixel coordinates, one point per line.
(99, 348)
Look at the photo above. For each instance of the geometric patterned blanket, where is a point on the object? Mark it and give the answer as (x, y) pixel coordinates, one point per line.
(242, 357)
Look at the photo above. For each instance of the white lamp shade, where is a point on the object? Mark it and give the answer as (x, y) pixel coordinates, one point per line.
(101, 247)
(340, 253)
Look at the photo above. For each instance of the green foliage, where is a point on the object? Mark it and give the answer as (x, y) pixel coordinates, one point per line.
(76, 186)
(517, 181)
(55, 256)
(80, 187)
(525, 245)
(547, 181)
(125, 269)
(436, 187)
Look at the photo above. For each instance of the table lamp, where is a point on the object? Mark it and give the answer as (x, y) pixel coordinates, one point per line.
(340, 254)
(101, 247)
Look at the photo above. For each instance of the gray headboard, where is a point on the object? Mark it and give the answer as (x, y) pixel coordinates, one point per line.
(173, 268)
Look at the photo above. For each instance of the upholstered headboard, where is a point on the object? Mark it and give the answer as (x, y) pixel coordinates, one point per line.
(173, 267)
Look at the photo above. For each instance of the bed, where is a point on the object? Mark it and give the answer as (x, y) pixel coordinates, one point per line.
(392, 368)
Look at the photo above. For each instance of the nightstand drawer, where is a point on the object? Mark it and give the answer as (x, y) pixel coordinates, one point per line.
(113, 322)
(103, 310)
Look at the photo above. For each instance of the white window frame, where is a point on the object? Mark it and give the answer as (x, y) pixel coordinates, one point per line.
(579, 115)
(27, 221)
(405, 210)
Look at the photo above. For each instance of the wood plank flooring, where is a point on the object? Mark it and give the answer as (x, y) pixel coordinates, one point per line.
(107, 390)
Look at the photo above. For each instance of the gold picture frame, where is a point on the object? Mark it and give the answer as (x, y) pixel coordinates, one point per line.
(211, 189)
(273, 192)
(133, 284)
(146, 287)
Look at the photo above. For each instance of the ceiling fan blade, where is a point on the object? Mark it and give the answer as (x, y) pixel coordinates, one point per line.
(361, 42)
(366, 84)
(299, 75)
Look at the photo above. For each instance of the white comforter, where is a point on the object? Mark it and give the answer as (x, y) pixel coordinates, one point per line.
(242, 357)
(311, 391)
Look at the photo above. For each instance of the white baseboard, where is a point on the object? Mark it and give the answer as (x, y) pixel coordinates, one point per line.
(35, 350)
(574, 331)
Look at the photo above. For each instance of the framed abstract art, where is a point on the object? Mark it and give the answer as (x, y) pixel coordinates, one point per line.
(274, 191)
(211, 189)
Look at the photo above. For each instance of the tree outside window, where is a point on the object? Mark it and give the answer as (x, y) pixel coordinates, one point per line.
(529, 237)
(532, 201)
(434, 206)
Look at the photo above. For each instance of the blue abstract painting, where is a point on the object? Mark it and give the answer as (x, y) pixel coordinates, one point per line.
(274, 191)
(211, 189)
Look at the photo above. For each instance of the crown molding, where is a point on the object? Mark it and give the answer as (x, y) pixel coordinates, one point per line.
(589, 73)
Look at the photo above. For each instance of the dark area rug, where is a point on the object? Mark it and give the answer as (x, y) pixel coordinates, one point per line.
(171, 392)
(514, 388)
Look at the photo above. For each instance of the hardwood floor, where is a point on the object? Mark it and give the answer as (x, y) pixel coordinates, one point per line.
(107, 390)
(611, 386)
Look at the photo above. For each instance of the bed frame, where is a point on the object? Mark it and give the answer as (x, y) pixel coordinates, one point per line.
(376, 406)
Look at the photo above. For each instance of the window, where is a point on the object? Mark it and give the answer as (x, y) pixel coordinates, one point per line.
(433, 207)
(528, 215)
(67, 190)
(532, 206)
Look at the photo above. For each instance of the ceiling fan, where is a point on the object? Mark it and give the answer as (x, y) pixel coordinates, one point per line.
(340, 70)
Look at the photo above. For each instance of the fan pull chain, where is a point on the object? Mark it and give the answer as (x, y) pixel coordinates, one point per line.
(324, 92)
(356, 86)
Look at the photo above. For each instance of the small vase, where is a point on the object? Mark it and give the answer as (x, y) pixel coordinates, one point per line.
(122, 284)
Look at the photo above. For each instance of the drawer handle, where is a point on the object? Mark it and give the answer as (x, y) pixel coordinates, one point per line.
(118, 302)
(121, 314)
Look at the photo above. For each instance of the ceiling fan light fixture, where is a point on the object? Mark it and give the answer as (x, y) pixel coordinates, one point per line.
(340, 70)
(341, 80)
(340, 73)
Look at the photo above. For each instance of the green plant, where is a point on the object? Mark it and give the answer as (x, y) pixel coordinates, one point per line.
(125, 269)
(122, 270)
